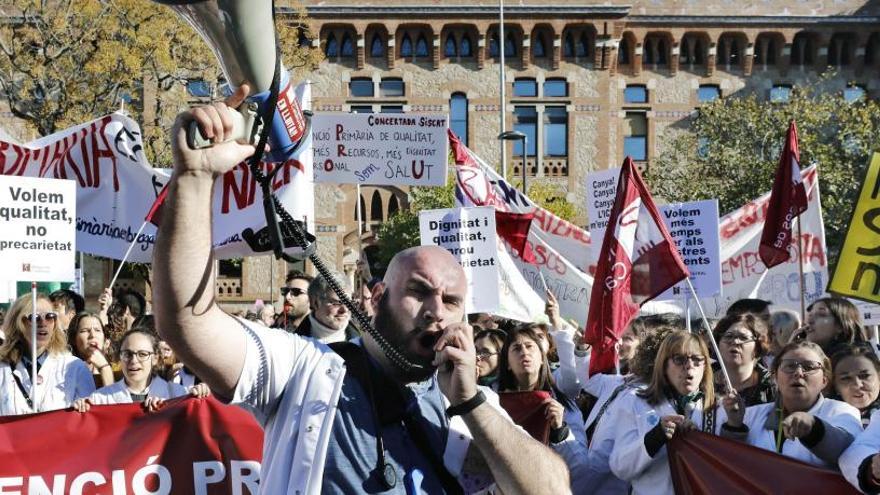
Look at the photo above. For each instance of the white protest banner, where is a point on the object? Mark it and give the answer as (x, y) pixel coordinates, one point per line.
(380, 149)
(601, 191)
(743, 275)
(37, 221)
(694, 228)
(561, 248)
(870, 312)
(469, 234)
(116, 185)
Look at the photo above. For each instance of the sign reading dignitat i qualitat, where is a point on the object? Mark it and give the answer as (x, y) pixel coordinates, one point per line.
(37, 221)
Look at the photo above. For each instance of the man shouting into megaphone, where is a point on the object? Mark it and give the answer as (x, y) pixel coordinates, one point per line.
(349, 419)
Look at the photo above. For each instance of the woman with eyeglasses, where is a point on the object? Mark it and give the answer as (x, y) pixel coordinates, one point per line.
(88, 342)
(138, 352)
(488, 344)
(801, 424)
(61, 377)
(680, 396)
(742, 341)
(856, 371)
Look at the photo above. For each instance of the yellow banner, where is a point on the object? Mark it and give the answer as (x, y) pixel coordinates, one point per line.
(858, 269)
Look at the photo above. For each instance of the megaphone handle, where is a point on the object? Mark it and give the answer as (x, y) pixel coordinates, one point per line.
(243, 130)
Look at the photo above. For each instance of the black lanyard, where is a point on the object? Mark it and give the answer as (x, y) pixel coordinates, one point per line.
(24, 392)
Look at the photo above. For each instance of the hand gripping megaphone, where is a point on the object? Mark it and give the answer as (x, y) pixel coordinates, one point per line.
(241, 33)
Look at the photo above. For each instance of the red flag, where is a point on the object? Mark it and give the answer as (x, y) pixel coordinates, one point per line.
(154, 216)
(527, 409)
(638, 261)
(514, 229)
(788, 199)
(704, 464)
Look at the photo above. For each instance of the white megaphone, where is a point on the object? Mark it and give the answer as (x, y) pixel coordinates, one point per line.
(241, 34)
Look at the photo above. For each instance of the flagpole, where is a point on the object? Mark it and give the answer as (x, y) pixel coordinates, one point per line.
(801, 270)
(127, 252)
(543, 281)
(711, 338)
(34, 379)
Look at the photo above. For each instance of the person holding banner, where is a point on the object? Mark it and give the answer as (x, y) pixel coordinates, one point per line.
(802, 424)
(742, 340)
(88, 342)
(320, 422)
(680, 396)
(139, 354)
(61, 378)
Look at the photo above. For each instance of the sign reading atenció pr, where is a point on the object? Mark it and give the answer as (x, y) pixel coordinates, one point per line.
(37, 218)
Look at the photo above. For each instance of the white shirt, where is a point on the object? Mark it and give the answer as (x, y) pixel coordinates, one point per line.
(292, 384)
(118, 392)
(866, 445)
(324, 333)
(62, 379)
(833, 412)
(629, 460)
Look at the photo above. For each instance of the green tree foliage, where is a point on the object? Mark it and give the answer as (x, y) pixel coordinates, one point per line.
(730, 150)
(551, 197)
(65, 62)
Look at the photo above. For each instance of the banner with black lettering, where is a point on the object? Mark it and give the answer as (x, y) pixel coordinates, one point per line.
(116, 186)
(189, 446)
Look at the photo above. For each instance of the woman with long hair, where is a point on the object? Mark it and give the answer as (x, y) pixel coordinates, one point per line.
(679, 396)
(138, 352)
(801, 424)
(61, 377)
(88, 342)
(832, 322)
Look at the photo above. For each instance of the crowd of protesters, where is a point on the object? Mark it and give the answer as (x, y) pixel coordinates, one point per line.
(520, 393)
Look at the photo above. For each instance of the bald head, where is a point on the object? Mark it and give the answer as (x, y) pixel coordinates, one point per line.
(433, 258)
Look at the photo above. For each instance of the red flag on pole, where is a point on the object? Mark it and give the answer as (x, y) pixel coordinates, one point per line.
(154, 216)
(788, 199)
(514, 229)
(638, 261)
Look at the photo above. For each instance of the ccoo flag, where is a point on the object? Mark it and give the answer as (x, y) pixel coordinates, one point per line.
(788, 199)
(638, 261)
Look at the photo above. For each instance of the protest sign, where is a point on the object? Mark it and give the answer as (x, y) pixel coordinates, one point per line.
(380, 149)
(857, 273)
(116, 186)
(37, 219)
(469, 234)
(189, 446)
(694, 228)
(601, 191)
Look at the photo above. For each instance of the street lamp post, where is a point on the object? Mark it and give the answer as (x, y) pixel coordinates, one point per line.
(514, 136)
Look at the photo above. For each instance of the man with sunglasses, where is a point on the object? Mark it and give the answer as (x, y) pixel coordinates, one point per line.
(296, 301)
(329, 319)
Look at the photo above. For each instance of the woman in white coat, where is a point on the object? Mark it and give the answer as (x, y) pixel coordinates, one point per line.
(138, 353)
(801, 424)
(61, 377)
(680, 396)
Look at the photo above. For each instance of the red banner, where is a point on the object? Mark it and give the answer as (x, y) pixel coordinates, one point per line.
(190, 446)
(704, 464)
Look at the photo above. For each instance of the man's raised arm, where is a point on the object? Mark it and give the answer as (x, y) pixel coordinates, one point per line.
(208, 340)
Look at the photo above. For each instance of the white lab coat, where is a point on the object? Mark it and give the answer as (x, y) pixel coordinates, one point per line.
(118, 393)
(65, 378)
(866, 445)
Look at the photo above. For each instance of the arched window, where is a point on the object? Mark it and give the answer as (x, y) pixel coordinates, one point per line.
(493, 45)
(347, 46)
(406, 46)
(872, 50)
(377, 47)
(840, 50)
(802, 50)
(568, 45)
(623, 50)
(393, 206)
(465, 48)
(363, 210)
(451, 49)
(583, 46)
(376, 207)
(332, 48)
(421, 46)
(510, 46)
(538, 48)
(458, 116)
